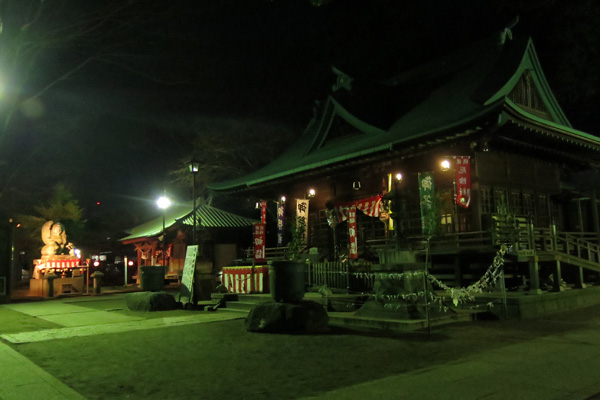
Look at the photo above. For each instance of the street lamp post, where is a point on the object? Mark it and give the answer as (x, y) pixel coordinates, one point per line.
(194, 168)
(163, 203)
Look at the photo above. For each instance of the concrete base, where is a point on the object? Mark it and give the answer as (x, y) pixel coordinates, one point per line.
(353, 321)
(527, 305)
(39, 287)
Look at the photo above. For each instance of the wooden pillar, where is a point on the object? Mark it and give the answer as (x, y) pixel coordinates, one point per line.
(457, 274)
(534, 276)
(579, 283)
(580, 215)
(556, 286)
(595, 215)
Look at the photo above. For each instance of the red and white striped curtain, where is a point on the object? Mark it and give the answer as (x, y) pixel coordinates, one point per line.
(369, 206)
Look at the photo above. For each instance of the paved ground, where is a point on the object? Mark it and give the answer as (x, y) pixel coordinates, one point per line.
(549, 368)
(560, 365)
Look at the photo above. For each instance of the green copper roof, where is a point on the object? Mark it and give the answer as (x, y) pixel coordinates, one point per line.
(450, 95)
(211, 217)
(206, 216)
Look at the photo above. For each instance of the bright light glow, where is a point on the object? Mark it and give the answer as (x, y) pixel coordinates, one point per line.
(399, 177)
(33, 108)
(130, 263)
(445, 165)
(194, 167)
(311, 193)
(96, 263)
(163, 202)
(283, 199)
(77, 253)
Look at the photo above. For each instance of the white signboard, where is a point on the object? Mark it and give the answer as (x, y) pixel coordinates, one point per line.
(186, 291)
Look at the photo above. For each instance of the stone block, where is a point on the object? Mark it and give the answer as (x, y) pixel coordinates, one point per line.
(150, 301)
(302, 316)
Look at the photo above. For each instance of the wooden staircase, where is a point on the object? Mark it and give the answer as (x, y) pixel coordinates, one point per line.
(579, 250)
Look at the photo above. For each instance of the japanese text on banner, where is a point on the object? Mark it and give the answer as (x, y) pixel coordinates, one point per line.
(302, 212)
(462, 171)
(259, 243)
(426, 194)
(280, 222)
(263, 212)
(353, 250)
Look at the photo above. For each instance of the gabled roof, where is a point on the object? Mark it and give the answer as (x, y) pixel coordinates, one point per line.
(206, 216)
(449, 95)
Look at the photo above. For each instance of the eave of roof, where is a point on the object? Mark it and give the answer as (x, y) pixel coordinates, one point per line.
(522, 117)
(206, 216)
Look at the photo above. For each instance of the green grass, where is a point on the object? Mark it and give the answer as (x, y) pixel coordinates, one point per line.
(14, 322)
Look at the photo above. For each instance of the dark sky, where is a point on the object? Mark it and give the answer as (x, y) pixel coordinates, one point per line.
(112, 133)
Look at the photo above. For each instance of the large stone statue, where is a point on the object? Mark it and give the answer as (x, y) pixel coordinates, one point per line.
(54, 237)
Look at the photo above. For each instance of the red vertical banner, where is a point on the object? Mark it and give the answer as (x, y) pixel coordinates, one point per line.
(462, 171)
(263, 212)
(259, 243)
(353, 247)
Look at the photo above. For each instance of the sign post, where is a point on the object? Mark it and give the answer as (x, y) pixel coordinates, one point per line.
(186, 290)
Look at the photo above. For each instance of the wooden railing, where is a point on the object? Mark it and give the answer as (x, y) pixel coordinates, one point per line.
(341, 275)
(582, 247)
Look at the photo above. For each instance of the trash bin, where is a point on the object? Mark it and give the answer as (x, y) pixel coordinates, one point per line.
(152, 278)
(287, 281)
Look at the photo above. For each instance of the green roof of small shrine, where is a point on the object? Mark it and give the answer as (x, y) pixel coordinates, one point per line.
(206, 217)
(449, 95)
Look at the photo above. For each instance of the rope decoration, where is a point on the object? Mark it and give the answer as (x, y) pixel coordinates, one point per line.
(458, 295)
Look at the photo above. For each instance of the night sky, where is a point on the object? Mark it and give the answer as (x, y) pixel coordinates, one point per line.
(113, 130)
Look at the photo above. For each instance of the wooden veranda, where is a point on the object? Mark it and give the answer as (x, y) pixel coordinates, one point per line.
(539, 258)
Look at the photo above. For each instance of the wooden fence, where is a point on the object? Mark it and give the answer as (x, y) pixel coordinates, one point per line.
(341, 276)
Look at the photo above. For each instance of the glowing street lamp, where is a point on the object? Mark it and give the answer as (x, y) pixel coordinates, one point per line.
(445, 164)
(163, 203)
(194, 169)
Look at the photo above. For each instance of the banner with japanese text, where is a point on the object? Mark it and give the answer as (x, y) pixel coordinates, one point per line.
(353, 246)
(462, 171)
(280, 222)
(259, 243)
(426, 193)
(302, 212)
(263, 212)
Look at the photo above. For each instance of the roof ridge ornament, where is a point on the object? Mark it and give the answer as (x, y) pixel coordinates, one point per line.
(507, 32)
(342, 80)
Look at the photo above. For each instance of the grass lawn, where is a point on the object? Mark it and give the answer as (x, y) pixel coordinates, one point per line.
(14, 322)
(222, 360)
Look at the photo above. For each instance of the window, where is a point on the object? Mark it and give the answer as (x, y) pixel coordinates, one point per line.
(516, 203)
(528, 204)
(486, 200)
(543, 215)
(500, 201)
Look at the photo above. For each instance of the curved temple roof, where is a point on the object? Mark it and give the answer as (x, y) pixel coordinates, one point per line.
(449, 94)
(206, 216)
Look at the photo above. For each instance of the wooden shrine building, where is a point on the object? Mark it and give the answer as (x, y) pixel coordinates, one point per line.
(220, 236)
(510, 155)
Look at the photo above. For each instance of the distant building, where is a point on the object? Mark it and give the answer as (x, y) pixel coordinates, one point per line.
(221, 234)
